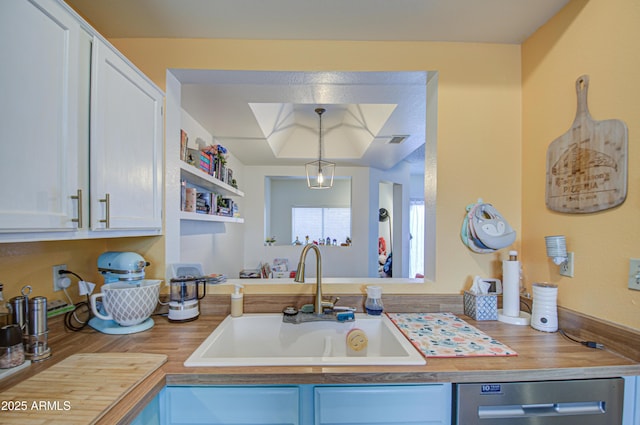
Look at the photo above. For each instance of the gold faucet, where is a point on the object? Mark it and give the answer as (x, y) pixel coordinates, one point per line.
(319, 304)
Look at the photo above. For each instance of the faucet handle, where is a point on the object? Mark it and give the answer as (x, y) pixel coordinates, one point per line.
(330, 303)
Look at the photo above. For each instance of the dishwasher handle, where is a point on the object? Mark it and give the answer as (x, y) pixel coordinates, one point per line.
(537, 410)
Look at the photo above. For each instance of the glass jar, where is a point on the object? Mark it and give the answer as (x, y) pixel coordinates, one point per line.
(11, 347)
(5, 312)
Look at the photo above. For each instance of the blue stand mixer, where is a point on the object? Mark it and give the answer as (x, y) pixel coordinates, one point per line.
(120, 269)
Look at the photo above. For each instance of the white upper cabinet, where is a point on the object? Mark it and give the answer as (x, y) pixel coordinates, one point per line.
(38, 116)
(126, 145)
(79, 125)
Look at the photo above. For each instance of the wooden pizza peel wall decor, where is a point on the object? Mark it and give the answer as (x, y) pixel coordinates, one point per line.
(587, 165)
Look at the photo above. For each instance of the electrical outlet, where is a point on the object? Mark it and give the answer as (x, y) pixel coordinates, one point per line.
(634, 274)
(57, 277)
(566, 268)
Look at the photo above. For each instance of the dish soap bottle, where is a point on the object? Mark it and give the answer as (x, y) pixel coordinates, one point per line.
(237, 301)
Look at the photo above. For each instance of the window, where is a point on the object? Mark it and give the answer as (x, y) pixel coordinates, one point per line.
(321, 223)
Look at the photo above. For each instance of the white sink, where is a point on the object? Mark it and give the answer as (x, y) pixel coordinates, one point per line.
(264, 340)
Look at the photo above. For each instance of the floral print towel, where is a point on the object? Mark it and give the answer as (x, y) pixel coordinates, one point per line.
(446, 335)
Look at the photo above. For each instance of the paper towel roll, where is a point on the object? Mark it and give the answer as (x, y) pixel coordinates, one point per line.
(511, 288)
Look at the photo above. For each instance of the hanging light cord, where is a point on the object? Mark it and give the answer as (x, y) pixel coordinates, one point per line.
(320, 111)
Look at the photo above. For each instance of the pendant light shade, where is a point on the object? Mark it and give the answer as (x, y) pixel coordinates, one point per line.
(320, 173)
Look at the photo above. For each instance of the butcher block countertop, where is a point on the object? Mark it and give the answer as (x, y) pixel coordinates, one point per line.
(78, 390)
(541, 356)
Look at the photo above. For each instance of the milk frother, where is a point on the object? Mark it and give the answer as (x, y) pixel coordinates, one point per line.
(544, 313)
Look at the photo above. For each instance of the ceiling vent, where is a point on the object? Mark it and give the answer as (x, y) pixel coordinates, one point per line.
(396, 140)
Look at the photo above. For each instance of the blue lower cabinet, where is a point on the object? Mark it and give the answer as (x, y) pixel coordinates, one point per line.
(385, 404)
(631, 408)
(151, 415)
(300, 405)
(234, 405)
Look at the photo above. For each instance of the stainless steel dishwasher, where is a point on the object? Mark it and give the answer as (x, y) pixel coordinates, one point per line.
(583, 402)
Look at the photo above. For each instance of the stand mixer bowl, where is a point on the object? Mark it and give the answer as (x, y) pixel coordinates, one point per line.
(127, 304)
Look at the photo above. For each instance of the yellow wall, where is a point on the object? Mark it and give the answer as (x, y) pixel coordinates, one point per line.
(30, 263)
(598, 38)
(479, 129)
(499, 108)
(479, 116)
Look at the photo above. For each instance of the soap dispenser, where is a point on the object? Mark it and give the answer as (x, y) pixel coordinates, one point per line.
(237, 301)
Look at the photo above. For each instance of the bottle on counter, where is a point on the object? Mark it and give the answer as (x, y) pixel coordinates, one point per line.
(5, 312)
(373, 305)
(237, 301)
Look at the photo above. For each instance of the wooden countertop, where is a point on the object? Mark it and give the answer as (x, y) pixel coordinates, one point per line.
(541, 356)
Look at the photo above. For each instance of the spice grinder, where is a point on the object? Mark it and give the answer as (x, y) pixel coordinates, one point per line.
(36, 340)
(30, 316)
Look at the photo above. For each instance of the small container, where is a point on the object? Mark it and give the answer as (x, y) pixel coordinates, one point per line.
(11, 347)
(19, 311)
(37, 322)
(237, 301)
(373, 305)
(5, 309)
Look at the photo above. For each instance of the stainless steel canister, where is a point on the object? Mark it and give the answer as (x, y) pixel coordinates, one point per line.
(37, 322)
(37, 346)
(19, 311)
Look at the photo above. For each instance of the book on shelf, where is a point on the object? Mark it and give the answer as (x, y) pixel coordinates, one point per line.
(203, 203)
(225, 207)
(205, 162)
(184, 141)
(183, 194)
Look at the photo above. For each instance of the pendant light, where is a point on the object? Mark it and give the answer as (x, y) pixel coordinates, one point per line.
(320, 173)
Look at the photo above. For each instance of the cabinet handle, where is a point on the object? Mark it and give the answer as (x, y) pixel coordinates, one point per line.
(78, 197)
(107, 213)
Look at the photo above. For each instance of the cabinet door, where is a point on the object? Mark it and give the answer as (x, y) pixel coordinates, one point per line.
(126, 145)
(631, 408)
(150, 415)
(38, 116)
(389, 404)
(232, 405)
